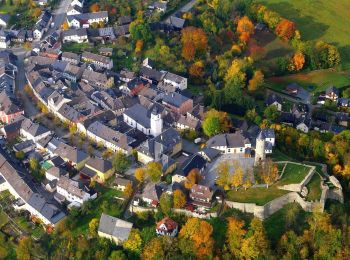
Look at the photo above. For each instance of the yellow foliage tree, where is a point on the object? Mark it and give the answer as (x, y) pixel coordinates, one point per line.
(223, 171)
(179, 199)
(237, 178)
(140, 174)
(234, 236)
(245, 28)
(192, 178)
(256, 82)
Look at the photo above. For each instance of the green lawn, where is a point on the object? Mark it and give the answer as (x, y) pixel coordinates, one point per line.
(3, 219)
(76, 47)
(294, 173)
(259, 196)
(6, 8)
(314, 188)
(327, 20)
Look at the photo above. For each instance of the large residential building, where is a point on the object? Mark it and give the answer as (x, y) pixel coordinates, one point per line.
(85, 20)
(9, 110)
(97, 169)
(177, 103)
(98, 60)
(72, 155)
(175, 80)
(75, 35)
(72, 191)
(235, 143)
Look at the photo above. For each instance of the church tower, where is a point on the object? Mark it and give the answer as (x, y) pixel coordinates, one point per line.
(156, 122)
(260, 154)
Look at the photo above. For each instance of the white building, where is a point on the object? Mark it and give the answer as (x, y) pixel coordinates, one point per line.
(33, 131)
(230, 143)
(114, 229)
(79, 3)
(75, 35)
(85, 20)
(175, 80)
(148, 122)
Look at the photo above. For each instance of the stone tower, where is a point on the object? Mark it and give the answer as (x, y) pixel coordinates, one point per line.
(156, 122)
(260, 155)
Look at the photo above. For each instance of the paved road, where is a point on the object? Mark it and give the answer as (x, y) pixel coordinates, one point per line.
(187, 7)
(59, 16)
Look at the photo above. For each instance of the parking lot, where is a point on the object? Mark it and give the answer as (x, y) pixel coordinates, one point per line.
(210, 173)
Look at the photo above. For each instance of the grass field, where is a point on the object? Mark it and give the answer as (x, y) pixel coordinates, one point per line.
(293, 173)
(317, 20)
(259, 196)
(314, 188)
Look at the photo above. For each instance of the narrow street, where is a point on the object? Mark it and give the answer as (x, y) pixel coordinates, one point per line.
(59, 15)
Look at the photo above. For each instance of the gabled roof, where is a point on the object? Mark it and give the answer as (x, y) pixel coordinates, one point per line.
(194, 162)
(115, 227)
(99, 164)
(71, 153)
(175, 99)
(169, 224)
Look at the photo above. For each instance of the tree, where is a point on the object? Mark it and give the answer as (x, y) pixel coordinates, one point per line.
(139, 30)
(216, 122)
(194, 40)
(271, 113)
(94, 8)
(223, 172)
(24, 250)
(256, 82)
(269, 172)
(192, 178)
(166, 203)
(285, 29)
(255, 245)
(179, 199)
(65, 26)
(197, 69)
(297, 62)
(198, 232)
(134, 242)
(140, 174)
(245, 28)
(237, 178)
(33, 164)
(128, 191)
(117, 255)
(20, 155)
(93, 226)
(154, 171)
(154, 249)
(139, 46)
(234, 236)
(121, 162)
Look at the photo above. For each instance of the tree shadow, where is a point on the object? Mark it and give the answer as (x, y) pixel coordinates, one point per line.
(344, 54)
(309, 28)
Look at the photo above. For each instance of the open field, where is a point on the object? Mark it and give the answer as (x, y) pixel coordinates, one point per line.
(314, 188)
(323, 19)
(293, 173)
(259, 196)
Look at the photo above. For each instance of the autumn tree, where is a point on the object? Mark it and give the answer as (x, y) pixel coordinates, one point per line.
(285, 29)
(139, 30)
(128, 191)
(94, 8)
(297, 61)
(256, 81)
(140, 174)
(93, 226)
(65, 26)
(199, 233)
(134, 242)
(197, 69)
(192, 178)
(179, 199)
(166, 203)
(238, 177)
(138, 46)
(154, 171)
(194, 40)
(154, 249)
(121, 162)
(223, 172)
(269, 172)
(245, 28)
(216, 122)
(234, 236)
(255, 245)
(271, 113)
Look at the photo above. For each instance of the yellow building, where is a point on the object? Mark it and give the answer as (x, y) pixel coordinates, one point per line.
(97, 169)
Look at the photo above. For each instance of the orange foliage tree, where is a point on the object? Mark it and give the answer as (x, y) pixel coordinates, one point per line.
(197, 69)
(256, 82)
(199, 233)
(139, 46)
(94, 8)
(192, 178)
(193, 40)
(297, 62)
(285, 29)
(245, 28)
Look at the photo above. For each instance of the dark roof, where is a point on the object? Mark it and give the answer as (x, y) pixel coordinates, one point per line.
(5, 17)
(151, 74)
(272, 98)
(175, 99)
(140, 114)
(332, 89)
(99, 164)
(194, 162)
(210, 152)
(124, 20)
(233, 140)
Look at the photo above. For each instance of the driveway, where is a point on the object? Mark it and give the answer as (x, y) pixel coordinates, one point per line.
(210, 174)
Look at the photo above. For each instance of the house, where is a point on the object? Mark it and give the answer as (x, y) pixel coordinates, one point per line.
(4, 39)
(72, 155)
(33, 131)
(70, 57)
(9, 109)
(79, 3)
(121, 183)
(235, 143)
(109, 137)
(55, 173)
(177, 103)
(98, 80)
(72, 191)
(344, 102)
(167, 227)
(134, 86)
(85, 20)
(106, 51)
(25, 146)
(27, 199)
(332, 93)
(41, 25)
(195, 161)
(108, 102)
(101, 169)
(158, 6)
(122, 30)
(126, 75)
(73, 73)
(303, 123)
(12, 130)
(103, 35)
(342, 119)
(175, 23)
(151, 194)
(151, 75)
(147, 121)
(4, 20)
(209, 154)
(167, 143)
(201, 195)
(123, 20)
(148, 63)
(175, 80)
(276, 100)
(287, 118)
(185, 122)
(293, 88)
(74, 10)
(75, 35)
(114, 229)
(98, 60)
